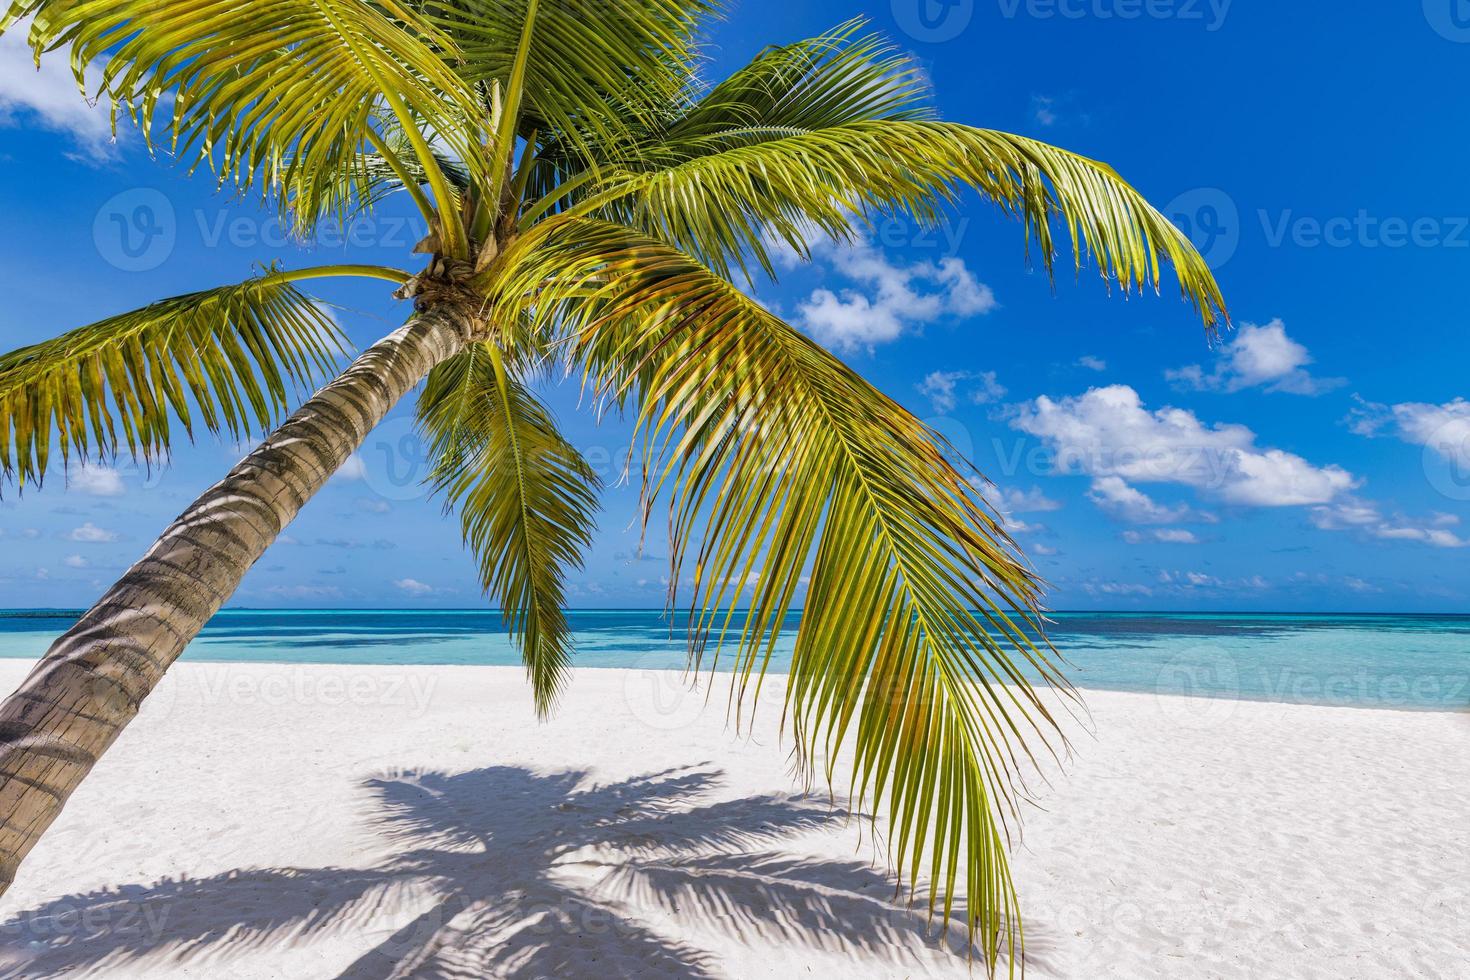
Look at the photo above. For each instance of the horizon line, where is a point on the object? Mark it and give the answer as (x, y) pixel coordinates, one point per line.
(661, 610)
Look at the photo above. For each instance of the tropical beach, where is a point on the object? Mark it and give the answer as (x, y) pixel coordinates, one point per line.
(310, 820)
(668, 488)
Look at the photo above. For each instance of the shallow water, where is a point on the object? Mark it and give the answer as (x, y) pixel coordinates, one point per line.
(1396, 661)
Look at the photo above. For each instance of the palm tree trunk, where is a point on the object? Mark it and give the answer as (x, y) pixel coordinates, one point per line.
(90, 683)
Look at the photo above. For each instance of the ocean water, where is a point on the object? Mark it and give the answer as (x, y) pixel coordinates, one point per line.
(1387, 661)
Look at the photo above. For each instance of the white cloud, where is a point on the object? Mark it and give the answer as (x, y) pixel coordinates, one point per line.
(1092, 363)
(1127, 503)
(95, 480)
(1108, 432)
(1033, 501)
(1043, 110)
(1163, 535)
(1445, 429)
(1365, 517)
(413, 587)
(353, 469)
(1190, 581)
(1116, 589)
(49, 96)
(941, 388)
(1174, 535)
(887, 300)
(90, 533)
(1258, 356)
(76, 561)
(1044, 550)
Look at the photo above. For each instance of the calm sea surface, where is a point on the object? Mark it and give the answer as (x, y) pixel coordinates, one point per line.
(1417, 662)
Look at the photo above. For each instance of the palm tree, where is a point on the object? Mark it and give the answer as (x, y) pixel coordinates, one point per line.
(589, 202)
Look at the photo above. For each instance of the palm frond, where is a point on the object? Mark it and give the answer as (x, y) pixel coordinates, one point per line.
(278, 94)
(234, 352)
(817, 137)
(525, 496)
(914, 645)
(595, 73)
(840, 76)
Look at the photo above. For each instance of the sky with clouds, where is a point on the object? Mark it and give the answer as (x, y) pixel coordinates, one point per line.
(1316, 458)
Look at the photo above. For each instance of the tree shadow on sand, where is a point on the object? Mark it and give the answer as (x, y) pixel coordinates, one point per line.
(511, 873)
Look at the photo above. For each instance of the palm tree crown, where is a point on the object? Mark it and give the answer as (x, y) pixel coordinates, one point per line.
(591, 203)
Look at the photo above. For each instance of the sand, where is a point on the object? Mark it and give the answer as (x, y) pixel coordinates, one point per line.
(309, 821)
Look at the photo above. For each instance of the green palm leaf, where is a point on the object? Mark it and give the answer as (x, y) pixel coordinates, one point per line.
(525, 497)
(233, 351)
(593, 73)
(280, 93)
(915, 645)
(813, 138)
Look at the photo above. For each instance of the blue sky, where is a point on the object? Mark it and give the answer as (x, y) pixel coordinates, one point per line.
(1317, 459)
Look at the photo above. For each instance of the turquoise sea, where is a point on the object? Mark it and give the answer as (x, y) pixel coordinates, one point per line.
(1394, 661)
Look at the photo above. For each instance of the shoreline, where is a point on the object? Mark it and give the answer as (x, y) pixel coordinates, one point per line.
(1243, 697)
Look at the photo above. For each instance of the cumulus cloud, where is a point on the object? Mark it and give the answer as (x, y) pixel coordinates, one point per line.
(95, 480)
(942, 388)
(353, 469)
(413, 587)
(1257, 357)
(1092, 363)
(76, 561)
(1108, 432)
(1044, 110)
(1365, 517)
(90, 533)
(1189, 581)
(1015, 501)
(48, 97)
(1444, 429)
(1163, 535)
(886, 299)
(1130, 504)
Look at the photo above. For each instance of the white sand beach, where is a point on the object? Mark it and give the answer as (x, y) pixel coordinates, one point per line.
(308, 821)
